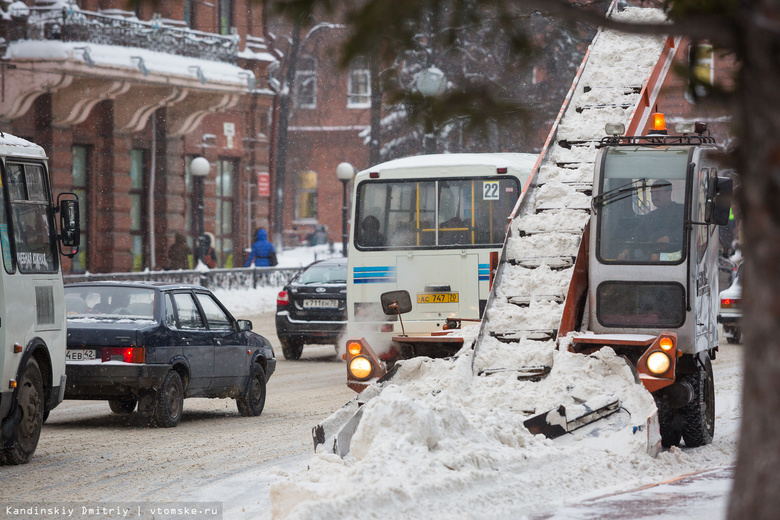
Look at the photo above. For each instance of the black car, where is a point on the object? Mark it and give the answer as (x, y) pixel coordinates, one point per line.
(312, 308)
(154, 344)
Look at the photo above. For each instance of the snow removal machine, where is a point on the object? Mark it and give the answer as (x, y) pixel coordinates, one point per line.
(620, 237)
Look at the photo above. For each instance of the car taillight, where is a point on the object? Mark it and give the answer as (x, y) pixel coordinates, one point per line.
(728, 303)
(282, 298)
(126, 354)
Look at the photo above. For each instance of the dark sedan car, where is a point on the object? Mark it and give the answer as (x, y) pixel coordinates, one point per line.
(154, 344)
(312, 308)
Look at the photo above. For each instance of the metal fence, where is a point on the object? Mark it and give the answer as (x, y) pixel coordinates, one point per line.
(239, 278)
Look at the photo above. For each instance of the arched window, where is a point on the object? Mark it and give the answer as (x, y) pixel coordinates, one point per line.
(306, 197)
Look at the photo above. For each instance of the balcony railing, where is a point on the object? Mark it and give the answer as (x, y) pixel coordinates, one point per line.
(73, 25)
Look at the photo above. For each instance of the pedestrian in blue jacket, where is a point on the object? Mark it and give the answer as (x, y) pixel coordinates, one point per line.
(263, 252)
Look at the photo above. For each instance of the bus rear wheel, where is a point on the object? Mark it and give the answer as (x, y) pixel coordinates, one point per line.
(28, 418)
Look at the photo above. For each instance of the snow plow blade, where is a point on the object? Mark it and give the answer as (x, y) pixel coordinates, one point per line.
(563, 420)
(335, 433)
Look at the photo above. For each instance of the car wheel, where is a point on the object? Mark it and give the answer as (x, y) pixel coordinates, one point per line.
(170, 401)
(29, 417)
(291, 348)
(700, 412)
(124, 405)
(252, 402)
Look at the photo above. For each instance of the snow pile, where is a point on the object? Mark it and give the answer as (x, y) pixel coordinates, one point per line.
(438, 442)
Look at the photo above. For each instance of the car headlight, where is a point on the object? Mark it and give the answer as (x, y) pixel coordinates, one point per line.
(360, 368)
(658, 363)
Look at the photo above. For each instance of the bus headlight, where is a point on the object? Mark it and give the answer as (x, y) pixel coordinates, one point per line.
(658, 363)
(360, 368)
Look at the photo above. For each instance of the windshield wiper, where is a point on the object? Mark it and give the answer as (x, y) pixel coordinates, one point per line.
(619, 193)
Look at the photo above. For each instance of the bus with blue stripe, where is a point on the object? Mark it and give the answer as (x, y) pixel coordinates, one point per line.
(428, 225)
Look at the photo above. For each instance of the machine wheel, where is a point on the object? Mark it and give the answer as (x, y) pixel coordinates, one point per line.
(700, 412)
(670, 423)
(736, 335)
(252, 402)
(291, 348)
(124, 406)
(29, 416)
(170, 401)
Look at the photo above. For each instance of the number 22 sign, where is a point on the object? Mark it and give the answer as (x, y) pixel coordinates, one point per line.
(490, 190)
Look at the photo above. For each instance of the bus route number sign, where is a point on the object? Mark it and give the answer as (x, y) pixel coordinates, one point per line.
(437, 297)
(490, 190)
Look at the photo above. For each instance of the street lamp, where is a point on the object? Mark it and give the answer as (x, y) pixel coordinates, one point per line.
(344, 172)
(431, 83)
(199, 168)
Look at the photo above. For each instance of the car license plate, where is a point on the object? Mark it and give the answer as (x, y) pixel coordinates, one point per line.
(320, 304)
(437, 298)
(80, 355)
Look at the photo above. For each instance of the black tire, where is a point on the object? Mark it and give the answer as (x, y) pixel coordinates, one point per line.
(124, 405)
(699, 414)
(29, 416)
(251, 403)
(291, 348)
(170, 401)
(670, 422)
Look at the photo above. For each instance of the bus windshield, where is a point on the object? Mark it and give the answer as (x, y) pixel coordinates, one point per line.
(641, 207)
(458, 212)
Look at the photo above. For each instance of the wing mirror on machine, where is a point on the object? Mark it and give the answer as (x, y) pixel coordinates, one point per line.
(70, 232)
(718, 207)
(396, 303)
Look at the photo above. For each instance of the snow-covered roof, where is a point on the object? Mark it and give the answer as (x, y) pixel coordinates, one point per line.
(519, 162)
(127, 58)
(16, 146)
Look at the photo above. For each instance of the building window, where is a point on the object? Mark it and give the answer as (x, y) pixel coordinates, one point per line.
(225, 16)
(306, 83)
(187, 15)
(306, 197)
(223, 231)
(80, 183)
(359, 85)
(137, 208)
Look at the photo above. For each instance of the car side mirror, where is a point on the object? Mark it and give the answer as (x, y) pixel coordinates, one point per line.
(70, 232)
(244, 325)
(718, 209)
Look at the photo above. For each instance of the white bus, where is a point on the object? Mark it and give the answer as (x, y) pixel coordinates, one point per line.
(427, 225)
(32, 306)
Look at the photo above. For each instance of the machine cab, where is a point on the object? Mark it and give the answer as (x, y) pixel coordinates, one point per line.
(653, 238)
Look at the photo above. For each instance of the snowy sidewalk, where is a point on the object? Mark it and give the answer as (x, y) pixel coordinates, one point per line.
(698, 496)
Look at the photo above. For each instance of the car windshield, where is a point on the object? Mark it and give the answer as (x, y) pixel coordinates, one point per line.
(110, 301)
(324, 273)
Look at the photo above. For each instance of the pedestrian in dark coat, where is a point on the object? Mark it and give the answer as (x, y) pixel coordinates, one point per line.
(179, 253)
(263, 253)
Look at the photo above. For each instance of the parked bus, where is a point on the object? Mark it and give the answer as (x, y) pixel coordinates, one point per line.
(427, 225)
(32, 305)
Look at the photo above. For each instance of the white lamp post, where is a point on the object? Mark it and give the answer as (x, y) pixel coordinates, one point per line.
(199, 168)
(344, 172)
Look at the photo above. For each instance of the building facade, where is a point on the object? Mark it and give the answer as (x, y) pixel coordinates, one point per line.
(123, 101)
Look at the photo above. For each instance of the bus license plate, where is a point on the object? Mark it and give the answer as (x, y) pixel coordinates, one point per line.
(320, 304)
(79, 355)
(437, 298)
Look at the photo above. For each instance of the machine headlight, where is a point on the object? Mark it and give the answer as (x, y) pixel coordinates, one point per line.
(360, 368)
(658, 363)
